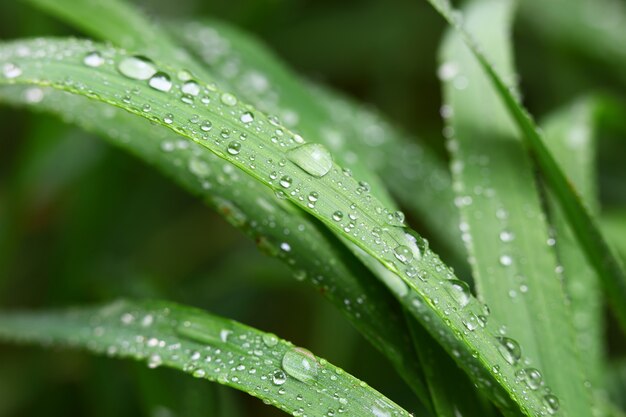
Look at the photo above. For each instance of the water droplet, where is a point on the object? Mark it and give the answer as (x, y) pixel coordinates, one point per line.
(137, 67)
(161, 81)
(459, 290)
(11, 70)
(509, 349)
(191, 87)
(154, 361)
(312, 158)
(93, 59)
(403, 254)
(270, 340)
(506, 236)
(247, 117)
(506, 260)
(279, 377)
(286, 181)
(228, 99)
(300, 364)
(206, 126)
(337, 216)
(168, 119)
(33, 95)
(531, 377)
(199, 373)
(234, 148)
(551, 402)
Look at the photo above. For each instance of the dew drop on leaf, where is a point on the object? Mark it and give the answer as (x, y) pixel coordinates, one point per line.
(247, 117)
(234, 148)
(11, 70)
(93, 59)
(137, 67)
(270, 340)
(552, 403)
(191, 87)
(510, 350)
(228, 99)
(403, 254)
(161, 81)
(279, 377)
(312, 158)
(286, 181)
(531, 377)
(300, 364)
(460, 292)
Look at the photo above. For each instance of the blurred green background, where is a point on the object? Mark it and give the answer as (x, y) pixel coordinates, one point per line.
(82, 222)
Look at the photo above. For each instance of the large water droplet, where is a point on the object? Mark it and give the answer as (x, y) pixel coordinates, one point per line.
(11, 70)
(247, 117)
(286, 181)
(300, 364)
(160, 81)
(312, 158)
(93, 59)
(270, 340)
(459, 290)
(510, 350)
(234, 147)
(137, 67)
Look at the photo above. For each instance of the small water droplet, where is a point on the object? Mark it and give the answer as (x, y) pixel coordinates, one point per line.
(286, 181)
(403, 254)
(234, 148)
(11, 70)
(337, 216)
(191, 87)
(154, 361)
(93, 59)
(247, 117)
(509, 349)
(300, 364)
(531, 377)
(169, 119)
(228, 99)
(459, 290)
(137, 67)
(270, 340)
(552, 403)
(506, 260)
(279, 377)
(312, 158)
(199, 373)
(161, 81)
(206, 126)
(506, 236)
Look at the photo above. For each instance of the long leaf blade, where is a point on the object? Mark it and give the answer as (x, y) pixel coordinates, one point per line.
(209, 347)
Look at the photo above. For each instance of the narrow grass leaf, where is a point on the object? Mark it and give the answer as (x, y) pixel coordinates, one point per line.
(424, 285)
(209, 347)
(569, 134)
(588, 235)
(505, 230)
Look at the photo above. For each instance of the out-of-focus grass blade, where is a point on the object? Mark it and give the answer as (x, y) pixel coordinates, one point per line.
(504, 226)
(614, 225)
(570, 137)
(593, 28)
(252, 208)
(295, 170)
(588, 235)
(205, 346)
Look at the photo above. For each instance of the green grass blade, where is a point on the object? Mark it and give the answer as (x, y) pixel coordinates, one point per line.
(209, 347)
(424, 285)
(614, 225)
(256, 212)
(505, 228)
(588, 235)
(569, 136)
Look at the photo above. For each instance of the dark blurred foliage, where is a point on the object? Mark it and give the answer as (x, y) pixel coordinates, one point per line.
(81, 222)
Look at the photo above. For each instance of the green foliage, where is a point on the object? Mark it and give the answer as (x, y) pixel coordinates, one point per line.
(516, 328)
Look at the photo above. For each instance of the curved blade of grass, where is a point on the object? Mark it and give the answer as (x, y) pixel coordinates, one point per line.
(505, 230)
(424, 285)
(251, 207)
(357, 137)
(569, 135)
(588, 235)
(614, 225)
(205, 346)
